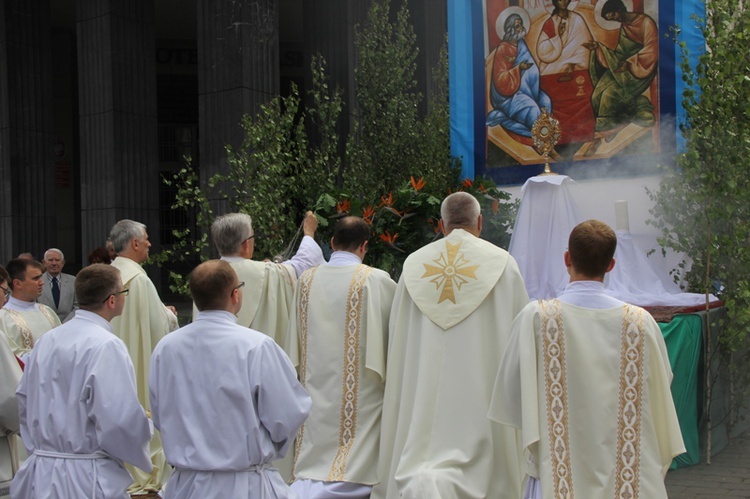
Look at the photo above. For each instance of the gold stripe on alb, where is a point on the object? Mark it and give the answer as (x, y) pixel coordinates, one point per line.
(350, 375)
(556, 390)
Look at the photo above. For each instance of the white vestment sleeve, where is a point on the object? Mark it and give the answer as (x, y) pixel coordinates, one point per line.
(122, 428)
(308, 255)
(283, 404)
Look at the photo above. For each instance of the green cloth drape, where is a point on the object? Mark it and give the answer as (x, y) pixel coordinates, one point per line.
(684, 339)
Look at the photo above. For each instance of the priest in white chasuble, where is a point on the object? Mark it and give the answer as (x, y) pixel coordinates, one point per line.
(10, 376)
(144, 321)
(586, 378)
(449, 327)
(22, 319)
(269, 290)
(338, 339)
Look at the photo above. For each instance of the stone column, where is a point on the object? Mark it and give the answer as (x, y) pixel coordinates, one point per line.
(118, 120)
(430, 21)
(329, 31)
(26, 128)
(238, 71)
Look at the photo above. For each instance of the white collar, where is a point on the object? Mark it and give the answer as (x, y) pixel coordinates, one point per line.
(20, 305)
(343, 258)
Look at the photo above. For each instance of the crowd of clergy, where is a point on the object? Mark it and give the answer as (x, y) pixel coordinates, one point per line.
(326, 379)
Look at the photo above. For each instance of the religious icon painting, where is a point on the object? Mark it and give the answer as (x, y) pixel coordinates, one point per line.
(603, 69)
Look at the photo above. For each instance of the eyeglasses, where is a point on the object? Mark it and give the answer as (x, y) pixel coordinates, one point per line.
(251, 237)
(123, 292)
(6, 291)
(239, 286)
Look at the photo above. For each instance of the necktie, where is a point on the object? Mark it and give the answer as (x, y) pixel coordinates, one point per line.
(55, 292)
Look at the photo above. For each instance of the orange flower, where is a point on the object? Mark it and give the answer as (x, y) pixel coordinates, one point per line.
(386, 200)
(387, 238)
(482, 189)
(418, 184)
(367, 214)
(343, 206)
(467, 183)
(495, 205)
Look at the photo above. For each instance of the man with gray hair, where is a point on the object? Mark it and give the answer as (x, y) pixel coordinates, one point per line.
(267, 300)
(144, 321)
(58, 292)
(449, 326)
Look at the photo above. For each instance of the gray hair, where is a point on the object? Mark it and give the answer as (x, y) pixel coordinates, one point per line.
(510, 34)
(459, 210)
(125, 231)
(62, 256)
(230, 231)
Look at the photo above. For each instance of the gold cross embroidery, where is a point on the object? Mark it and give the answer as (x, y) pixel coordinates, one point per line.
(452, 269)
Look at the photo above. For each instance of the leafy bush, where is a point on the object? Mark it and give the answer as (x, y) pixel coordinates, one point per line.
(702, 206)
(397, 169)
(405, 219)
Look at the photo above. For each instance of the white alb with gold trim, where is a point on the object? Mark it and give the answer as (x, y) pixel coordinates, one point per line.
(590, 390)
(23, 327)
(339, 336)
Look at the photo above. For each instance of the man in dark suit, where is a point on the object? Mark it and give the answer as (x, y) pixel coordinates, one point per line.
(58, 292)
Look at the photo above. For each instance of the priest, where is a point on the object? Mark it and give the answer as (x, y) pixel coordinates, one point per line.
(338, 338)
(144, 321)
(450, 323)
(586, 378)
(267, 299)
(22, 319)
(10, 376)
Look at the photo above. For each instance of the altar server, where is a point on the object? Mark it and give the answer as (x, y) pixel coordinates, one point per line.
(79, 412)
(225, 398)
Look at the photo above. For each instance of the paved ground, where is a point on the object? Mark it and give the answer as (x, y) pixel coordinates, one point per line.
(727, 477)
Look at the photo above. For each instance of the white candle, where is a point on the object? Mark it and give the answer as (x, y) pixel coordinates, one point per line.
(621, 215)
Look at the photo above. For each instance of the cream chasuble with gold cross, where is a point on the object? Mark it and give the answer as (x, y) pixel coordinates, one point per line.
(450, 324)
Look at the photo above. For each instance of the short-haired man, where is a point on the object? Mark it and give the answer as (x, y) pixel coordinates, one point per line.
(58, 292)
(225, 398)
(339, 339)
(80, 415)
(592, 373)
(144, 321)
(270, 286)
(450, 323)
(22, 319)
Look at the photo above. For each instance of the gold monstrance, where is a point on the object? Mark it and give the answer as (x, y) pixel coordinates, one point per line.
(546, 134)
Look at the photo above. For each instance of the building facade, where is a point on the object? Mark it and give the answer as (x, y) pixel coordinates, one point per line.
(101, 98)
